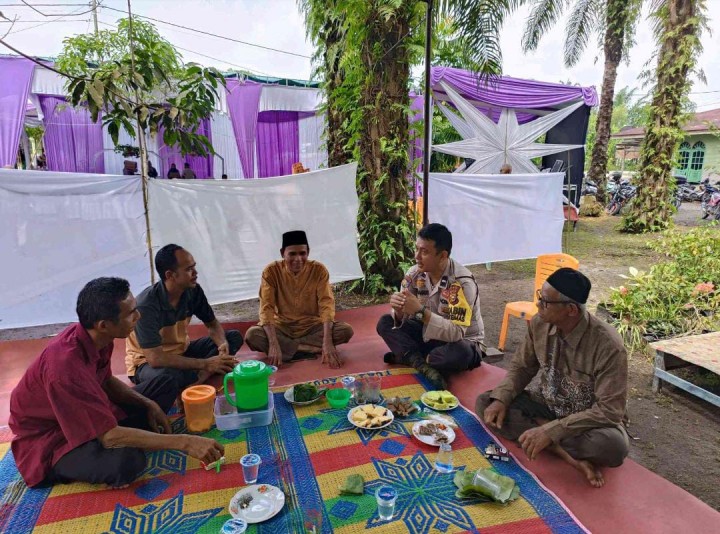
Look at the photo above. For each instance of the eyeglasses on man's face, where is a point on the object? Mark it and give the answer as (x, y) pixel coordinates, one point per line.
(544, 303)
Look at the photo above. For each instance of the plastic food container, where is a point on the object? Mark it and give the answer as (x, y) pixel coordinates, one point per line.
(228, 418)
(198, 402)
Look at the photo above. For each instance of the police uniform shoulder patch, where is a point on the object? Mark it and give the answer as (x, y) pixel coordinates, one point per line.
(458, 310)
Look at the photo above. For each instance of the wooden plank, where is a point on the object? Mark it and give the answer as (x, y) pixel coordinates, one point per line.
(702, 350)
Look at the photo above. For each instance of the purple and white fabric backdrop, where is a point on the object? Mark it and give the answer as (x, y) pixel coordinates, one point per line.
(243, 99)
(15, 82)
(510, 92)
(278, 145)
(201, 165)
(73, 143)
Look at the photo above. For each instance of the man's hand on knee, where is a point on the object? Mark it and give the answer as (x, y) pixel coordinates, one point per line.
(275, 355)
(533, 441)
(495, 414)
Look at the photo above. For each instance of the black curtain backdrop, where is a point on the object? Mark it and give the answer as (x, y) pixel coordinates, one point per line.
(571, 131)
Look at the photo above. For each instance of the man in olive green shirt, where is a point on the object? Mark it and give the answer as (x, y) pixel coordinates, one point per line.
(579, 412)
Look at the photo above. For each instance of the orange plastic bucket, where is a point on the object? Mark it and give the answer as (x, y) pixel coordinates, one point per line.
(199, 402)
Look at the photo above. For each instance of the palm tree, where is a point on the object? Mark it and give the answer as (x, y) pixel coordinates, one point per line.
(614, 21)
(324, 25)
(678, 26)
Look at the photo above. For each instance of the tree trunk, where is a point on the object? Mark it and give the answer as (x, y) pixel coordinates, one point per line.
(336, 135)
(384, 223)
(616, 22)
(652, 209)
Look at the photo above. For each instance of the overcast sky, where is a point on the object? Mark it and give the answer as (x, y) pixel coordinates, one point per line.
(277, 24)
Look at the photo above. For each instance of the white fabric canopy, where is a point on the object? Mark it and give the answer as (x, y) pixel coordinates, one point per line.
(313, 153)
(59, 231)
(498, 217)
(283, 98)
(47, 82)
(234, 228)
(223, 141)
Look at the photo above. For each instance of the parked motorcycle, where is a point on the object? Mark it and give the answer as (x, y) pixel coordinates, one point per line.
(680, 184)
(710, 201)
(589, 188)
(623, 193)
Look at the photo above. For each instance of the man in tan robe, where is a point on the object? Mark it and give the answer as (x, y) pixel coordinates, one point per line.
(297, 308)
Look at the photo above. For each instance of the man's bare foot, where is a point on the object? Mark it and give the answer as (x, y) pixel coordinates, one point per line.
(593, 475)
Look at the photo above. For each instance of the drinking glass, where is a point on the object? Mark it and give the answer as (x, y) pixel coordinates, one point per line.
(271, 376)
(250, 465)
(386, 497)
(444, 459)
(369, 390)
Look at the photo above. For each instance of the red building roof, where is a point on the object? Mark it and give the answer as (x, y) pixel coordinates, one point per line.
(704, 122)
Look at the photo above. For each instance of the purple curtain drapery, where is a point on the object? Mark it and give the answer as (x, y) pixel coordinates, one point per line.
(15, 82)
(508, 92)
(203, 166)
(278, 144)
(73, 143)
(243, 99)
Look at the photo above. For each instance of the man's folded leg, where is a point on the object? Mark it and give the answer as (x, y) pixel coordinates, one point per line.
(93, 463)
(402, 340)
(602, 447)
(257, 340)
(205, 347)
(519, 417)
(313, 340)
(455, 357)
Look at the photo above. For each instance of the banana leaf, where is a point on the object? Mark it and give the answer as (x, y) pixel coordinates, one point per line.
(354, 485)
(486, 485)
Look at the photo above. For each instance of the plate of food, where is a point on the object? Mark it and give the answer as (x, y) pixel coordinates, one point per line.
(401, 406)
(370, 416)
(433, 433)
(440, 400)
(303, 394)
(257, 503)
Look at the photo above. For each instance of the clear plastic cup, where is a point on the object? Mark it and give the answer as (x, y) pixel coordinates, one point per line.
(271, 377)
(386, 497)
(444, 459)
(251, 466)
(234, 526)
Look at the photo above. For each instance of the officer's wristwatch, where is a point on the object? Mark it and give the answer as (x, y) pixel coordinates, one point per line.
(420, 315)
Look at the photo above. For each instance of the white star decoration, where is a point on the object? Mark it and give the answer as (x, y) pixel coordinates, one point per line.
(491, 145)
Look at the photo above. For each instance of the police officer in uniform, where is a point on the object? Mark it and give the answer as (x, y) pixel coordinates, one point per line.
(435, 323)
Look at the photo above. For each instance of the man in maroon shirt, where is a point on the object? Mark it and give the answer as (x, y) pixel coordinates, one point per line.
(73, 420)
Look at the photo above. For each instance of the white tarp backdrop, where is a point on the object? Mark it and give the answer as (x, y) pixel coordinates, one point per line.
(59, 231)
(234, 228)
(497, 217)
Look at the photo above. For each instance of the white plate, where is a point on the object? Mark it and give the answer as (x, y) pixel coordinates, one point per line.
(266, 503)
(430, 440)
(387, 412)
(443, 409)
(290, 397)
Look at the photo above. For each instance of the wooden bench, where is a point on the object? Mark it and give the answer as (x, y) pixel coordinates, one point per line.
(702, 350)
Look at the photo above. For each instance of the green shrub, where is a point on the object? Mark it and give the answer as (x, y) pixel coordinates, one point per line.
(680, 296)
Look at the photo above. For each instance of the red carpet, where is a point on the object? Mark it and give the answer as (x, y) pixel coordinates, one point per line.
(633, 500)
